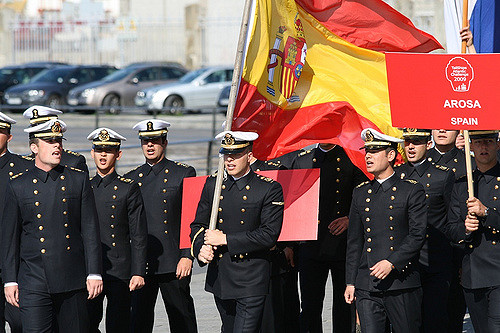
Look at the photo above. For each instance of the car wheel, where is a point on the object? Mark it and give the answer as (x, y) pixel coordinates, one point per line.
(54, 101)
(173, 105)
(112, 104)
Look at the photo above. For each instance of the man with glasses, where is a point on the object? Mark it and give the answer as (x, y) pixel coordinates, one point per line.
(51, 251)
(168, 268)
(435, 260)
(387, 225)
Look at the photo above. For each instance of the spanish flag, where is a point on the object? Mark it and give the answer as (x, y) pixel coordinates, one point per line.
(314, 72)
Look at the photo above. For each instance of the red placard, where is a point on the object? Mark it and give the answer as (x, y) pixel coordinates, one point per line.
(301, 194)
(449, 91)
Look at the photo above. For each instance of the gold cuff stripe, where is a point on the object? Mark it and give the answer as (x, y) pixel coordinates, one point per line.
(194, 238)
(279, 203)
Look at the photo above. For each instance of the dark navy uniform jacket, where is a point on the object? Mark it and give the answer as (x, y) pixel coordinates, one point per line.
(438, 183)
(453, 159)
(50, 236)
(338, 178)
(481, 263)
(251, 215)
(123, 226)
(387, 221)
(10, 165)
(161, 188)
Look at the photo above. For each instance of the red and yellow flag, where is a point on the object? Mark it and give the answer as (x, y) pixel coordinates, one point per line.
(313, 73)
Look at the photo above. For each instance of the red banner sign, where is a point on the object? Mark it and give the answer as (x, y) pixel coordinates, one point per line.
(301, 194)
(449, 91)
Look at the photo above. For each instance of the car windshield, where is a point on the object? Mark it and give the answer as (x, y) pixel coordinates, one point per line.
(118, 75)
(5, 74)
(189, 77)
(52, 75)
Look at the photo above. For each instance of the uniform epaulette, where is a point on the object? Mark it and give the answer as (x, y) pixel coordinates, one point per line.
(442, 167)
(267, 179)
(28, 157)
(137, 167)
(125, 180)
(398, 164)
(76, 169)
(17, 175)
(305, 152)
(182, 164)
(272, 163)
(362, 184)
(411, 181)
(72, 152)
(461, 177)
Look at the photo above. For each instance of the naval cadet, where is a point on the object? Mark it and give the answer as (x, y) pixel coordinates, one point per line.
(10, 165)
(38, 114)
(447, 153)
(249, 221)
(435, 261)
(282, 306)
(475, 222)
(51, 251)
(387, 226)
(168, 268)
(123, 229)
(317, 259)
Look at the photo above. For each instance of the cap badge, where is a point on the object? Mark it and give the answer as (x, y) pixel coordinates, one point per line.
(369, 136)
(412, 130)
(104, 135)
(150, 126)
(228, 139)
(35, 113)
(56, 128)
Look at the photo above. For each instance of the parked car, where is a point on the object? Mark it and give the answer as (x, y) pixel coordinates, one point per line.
(51, 86)
(119, 89)
(19, 74)
(223, 100)
(197, 90)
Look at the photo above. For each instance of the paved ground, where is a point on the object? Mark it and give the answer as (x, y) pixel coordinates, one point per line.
(184, 128)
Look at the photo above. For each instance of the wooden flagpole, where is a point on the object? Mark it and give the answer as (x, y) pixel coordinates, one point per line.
(468, 162)
(230, 108)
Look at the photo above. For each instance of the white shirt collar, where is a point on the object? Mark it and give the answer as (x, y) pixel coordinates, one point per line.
(383, 180)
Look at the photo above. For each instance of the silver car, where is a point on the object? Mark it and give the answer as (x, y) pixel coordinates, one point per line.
(197, 90)
(119, 89)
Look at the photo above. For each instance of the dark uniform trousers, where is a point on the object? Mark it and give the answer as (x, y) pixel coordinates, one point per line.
(456, 308)
(117, 310)
(50, 243)
(251, 215)
(387, 222)
(10, 165)
(481, 262)
(282, 305)
(318, 259)
(161, 187)
(123, 230)
(436, 255)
